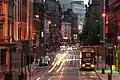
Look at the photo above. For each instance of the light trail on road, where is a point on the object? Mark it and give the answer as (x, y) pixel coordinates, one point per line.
(67, 68)
(38, 78)
(78, 69)
(60, 66)
(61, 61)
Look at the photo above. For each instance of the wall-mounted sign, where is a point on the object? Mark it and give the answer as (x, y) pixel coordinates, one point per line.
(118, 37)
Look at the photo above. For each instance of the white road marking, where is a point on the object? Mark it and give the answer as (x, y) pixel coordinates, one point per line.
(38, 78)
(78, 70)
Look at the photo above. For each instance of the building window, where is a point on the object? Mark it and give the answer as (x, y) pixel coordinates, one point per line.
(24, 16)
(1, 31)
(15, 13)
(3, 56)
(24, 3)
(65, 6)
(1, 8)
(19, 33)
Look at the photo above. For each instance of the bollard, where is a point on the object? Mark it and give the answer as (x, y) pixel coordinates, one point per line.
(109, 76)
(103, 71)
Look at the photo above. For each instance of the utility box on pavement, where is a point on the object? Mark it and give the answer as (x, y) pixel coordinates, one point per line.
(7, 76)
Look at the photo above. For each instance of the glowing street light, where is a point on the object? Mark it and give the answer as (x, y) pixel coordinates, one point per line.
(49, 22)
(37, 16)
(55, 25)
(42, 34)
(103, 15)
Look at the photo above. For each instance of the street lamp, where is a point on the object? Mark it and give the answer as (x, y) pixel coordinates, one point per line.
(42, 34)
(103, 40)
(49, 22)
(55, 25)
(51, 36)
(103, 15)
(37, 16)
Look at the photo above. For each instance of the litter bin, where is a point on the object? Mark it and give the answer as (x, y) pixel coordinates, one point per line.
(109, 76)
(8, 76)
(103, 71)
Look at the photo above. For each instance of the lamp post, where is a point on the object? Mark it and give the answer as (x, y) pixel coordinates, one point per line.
(103, 40)
(111, 54)
(110, 51)
(50, 30)
(103, 18)
(111, 64)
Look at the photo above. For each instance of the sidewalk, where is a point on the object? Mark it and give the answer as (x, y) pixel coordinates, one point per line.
(33, 70)
(115, 74)
(16, 72)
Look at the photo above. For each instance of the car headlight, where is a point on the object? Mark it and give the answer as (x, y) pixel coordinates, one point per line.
(92, 65)
(83, 65)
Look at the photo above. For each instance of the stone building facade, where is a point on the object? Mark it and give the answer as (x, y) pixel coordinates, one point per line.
(15, 34)
(113, 11)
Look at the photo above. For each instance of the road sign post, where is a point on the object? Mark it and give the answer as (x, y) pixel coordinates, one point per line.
(110, 47)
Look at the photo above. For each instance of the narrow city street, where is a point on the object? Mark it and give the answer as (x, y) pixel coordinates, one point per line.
(59, 40)
(68, 70)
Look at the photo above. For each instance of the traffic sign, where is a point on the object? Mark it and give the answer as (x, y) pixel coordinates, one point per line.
(102, 41)
(118, 36)
(109, 45)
